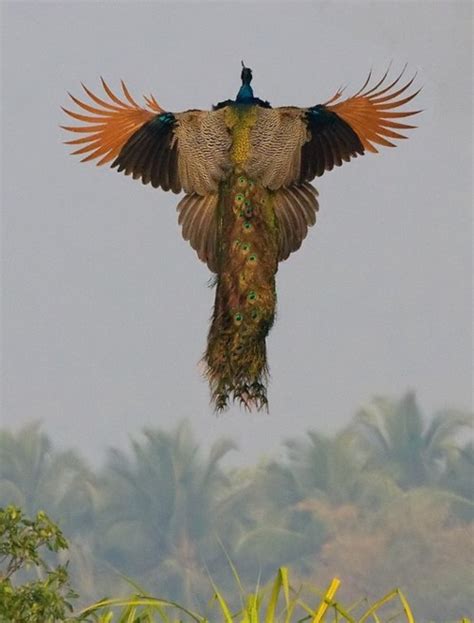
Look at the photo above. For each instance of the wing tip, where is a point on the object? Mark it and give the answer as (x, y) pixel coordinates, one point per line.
(371, 112)
(109, 125)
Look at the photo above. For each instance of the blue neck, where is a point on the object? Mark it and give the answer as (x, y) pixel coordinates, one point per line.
(245, 93)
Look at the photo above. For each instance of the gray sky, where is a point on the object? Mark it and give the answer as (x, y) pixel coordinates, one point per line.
(106, 308)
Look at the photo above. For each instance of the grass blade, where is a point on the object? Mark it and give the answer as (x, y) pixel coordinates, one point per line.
(281, 581)
(327, 599)
(223, 604)
(378, 604)
(406, 607)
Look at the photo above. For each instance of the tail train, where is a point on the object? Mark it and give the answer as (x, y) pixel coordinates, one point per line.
(245, 302)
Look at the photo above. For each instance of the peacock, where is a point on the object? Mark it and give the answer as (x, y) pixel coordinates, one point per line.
(245, 168)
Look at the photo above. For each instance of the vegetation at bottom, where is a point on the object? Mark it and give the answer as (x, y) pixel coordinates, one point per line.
(46, 598)
(386, 502)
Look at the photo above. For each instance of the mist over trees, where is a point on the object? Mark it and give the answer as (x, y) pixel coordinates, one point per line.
(387, 501)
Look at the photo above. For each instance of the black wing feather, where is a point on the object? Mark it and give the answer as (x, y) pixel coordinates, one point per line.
(151, 154)
(331, 142)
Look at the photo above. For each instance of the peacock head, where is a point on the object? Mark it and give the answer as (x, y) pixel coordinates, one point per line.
(245, 92)
(246, 74)
(245, 95)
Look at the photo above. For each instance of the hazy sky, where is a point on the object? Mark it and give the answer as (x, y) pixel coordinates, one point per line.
(106, 308)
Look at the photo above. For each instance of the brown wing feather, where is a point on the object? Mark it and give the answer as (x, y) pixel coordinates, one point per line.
(370, 112)
(341, 130)
(109, 125)
(187, 150)
(295, 210)
(197, 216)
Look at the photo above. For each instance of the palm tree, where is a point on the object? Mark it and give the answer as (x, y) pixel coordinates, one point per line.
(164, 508)
(333, 489)
(459, 473)
(394, 438)
(272, 530)
(458, 478)
(35, 476)
(324, 467)
(330, 474)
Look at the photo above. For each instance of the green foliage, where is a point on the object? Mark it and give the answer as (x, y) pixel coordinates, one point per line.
(458, 475)
(46, 600)
(42, 600)
(327, 468)
(163, 508)
(388, 501)
(274, 529)
(277, 602)
(395, 439)
(33, 475)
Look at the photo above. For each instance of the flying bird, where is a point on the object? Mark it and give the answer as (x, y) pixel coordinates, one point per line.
(245, 168)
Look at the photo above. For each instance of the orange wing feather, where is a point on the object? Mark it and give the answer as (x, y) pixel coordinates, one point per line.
(371, 114)
(110, 124)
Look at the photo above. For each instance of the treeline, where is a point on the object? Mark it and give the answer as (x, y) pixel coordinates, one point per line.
(386, 502)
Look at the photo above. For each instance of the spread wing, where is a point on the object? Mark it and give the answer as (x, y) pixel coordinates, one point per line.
(291, 146)
(175, 151)
(294, 145)
(341, 130)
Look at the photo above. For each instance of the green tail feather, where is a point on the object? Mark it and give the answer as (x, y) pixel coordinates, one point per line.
(244, 307)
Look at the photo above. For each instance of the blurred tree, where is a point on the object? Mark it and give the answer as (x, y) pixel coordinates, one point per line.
(458, 477)
(35, 476)
(325, 467)
(459, 472)
(331, 481)
(165, 513)
(274, 531)
(414, 542)
(163, 510)
(394, 438)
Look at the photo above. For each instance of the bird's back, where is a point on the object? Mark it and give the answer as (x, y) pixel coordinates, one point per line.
(247, 260)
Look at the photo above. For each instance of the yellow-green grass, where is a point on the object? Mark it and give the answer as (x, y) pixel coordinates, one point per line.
(276, 603)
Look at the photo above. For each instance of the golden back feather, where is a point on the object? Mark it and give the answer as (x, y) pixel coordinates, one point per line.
(204, 143)
(277, 138)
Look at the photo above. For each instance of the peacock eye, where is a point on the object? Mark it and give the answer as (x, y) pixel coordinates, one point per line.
(238, 317)
(242, 180)
(239, 198)
(247, 225)
(247, 202)
(252, 258)
(252, 296)
(245, 247)
(254, 314)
